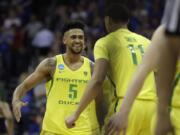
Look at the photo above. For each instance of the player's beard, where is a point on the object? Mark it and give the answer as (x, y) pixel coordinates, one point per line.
(76, 51)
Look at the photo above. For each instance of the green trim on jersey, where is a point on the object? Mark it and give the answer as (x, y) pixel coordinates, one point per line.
(65, 92)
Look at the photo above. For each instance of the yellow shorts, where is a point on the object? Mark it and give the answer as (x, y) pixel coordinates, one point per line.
(94, 132)
(175, 118)
(140, 118)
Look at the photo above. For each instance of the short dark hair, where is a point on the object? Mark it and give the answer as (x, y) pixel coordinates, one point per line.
(117, 12)
(73, 25)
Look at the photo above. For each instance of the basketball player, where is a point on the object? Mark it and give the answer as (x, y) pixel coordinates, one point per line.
(161, 56)
(117, 55)
(66, 77)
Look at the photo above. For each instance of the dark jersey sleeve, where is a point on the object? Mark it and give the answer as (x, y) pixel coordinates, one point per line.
(171, 17)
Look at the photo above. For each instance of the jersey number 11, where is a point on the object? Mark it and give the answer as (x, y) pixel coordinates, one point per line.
(134, 50)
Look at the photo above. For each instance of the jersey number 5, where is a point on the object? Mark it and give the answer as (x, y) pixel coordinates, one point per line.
(72, 91)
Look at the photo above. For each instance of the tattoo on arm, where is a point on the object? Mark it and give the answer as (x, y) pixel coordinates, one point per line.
(51, 65)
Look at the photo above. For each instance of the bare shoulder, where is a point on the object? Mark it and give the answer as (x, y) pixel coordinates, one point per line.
(48, 65)
(50, 62)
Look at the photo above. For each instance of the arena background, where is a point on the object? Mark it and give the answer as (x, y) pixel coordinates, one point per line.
(21, 49)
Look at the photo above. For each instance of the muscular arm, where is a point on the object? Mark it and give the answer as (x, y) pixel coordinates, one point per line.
(94, 86)
(167, 68)
(99, 102)
(44, 71)
(101, 108)
(166, 72)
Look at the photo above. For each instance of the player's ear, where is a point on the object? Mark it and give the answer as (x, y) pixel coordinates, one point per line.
(64, 39)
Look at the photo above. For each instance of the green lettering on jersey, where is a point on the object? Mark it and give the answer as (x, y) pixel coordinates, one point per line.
(130, 39)
(72, 91)
(134, 52)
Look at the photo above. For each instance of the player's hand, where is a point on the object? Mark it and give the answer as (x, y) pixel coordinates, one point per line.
(17, 105)
(117, 124)
(164, 126)
(70, 121)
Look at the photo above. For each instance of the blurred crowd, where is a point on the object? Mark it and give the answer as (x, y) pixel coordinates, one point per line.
(30, 30)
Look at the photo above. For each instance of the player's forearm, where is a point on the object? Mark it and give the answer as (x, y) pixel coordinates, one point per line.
(165, 77)
(164, 100)
(10, 126)
(91, 92)
(25, 86)
(20, 91)
(101, 108)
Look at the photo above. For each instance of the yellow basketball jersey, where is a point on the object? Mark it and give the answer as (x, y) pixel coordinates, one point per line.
(176, 85)
(63, 96)
(124, 50)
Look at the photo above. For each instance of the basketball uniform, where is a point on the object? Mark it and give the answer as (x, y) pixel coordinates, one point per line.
(123, 50)
(64, 92)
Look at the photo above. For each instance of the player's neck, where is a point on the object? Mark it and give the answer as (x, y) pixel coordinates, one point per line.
(115, 27)
(72, 58)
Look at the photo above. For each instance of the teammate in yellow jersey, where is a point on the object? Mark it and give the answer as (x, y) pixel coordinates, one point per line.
(162, 56)
(150, 63)
(66, 76)
(117, 55)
